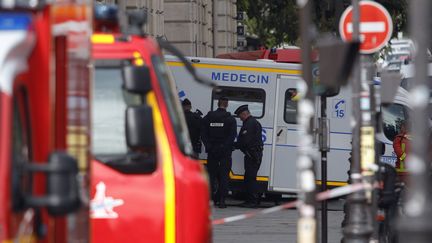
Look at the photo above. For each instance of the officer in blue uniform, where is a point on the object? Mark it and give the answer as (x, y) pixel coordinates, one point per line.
(219, 131)
(250, 142)
(193, 121)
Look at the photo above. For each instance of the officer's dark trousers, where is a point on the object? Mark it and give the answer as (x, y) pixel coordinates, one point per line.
(251, 186)
(219, 166)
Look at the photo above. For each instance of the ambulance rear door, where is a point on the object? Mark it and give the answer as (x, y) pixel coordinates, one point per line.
(285, 136)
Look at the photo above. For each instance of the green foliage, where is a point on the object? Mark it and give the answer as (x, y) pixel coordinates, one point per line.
(272, 21)
(275, 22)
(398, 10)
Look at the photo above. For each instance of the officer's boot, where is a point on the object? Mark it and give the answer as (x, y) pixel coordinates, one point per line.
(222, 202)
(256, 200)
(216, 202)
(216, 199)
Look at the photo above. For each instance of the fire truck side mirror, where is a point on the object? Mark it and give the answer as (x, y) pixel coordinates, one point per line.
(139, 127)
(137, 79)
(62, 195)
(140, 139)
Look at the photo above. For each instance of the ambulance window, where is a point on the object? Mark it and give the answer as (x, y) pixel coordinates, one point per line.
(254, 98)
(290, 111)
(393, 116)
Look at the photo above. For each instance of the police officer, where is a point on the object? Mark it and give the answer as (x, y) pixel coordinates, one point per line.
(193, 121)
(250, 142)
(218, 133)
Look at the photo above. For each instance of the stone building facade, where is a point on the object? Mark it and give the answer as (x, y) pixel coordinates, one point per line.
(203, 28)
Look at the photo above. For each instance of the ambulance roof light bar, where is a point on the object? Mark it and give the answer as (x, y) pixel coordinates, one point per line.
(23, 4)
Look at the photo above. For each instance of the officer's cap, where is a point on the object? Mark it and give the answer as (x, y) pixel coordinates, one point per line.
(223, 98)
(240, 109)
(186, 102)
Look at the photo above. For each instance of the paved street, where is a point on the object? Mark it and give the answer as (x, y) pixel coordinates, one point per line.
(271, 228)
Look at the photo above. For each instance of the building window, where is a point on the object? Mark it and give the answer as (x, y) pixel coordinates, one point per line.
(254, 98)
(291, 106)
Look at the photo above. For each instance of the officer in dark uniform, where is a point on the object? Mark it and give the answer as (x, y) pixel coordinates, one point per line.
(250, 142)
(219, 131)
(193, 121)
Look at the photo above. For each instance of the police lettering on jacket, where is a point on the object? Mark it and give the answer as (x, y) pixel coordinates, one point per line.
(219, 129)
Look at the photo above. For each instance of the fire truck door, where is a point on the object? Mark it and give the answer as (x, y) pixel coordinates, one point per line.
(17, 43)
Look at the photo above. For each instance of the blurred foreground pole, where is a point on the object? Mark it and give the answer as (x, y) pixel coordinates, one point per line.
(324, 149)
(306, 226)
(358, 228)
(414, 225)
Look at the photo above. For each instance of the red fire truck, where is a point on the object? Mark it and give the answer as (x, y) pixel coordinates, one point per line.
(44, 120)
(145, 185)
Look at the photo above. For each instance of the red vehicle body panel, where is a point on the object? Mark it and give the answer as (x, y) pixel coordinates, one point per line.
(5, 148)
(142, 217)
(40, 86)
(40, 124)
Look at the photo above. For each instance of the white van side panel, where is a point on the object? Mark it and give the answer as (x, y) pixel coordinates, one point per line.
(280, 152)
(230, 74)
(339, 112)
(283, 166)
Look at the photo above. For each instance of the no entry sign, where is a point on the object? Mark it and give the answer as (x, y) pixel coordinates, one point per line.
(376, 26)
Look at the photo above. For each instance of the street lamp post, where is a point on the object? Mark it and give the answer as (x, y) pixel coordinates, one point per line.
(358, 228)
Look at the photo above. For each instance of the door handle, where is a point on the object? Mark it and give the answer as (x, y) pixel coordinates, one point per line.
(279, 132)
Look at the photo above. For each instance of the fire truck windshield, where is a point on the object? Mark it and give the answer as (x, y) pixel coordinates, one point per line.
(108, 112)
(109, 104)
(171, 98)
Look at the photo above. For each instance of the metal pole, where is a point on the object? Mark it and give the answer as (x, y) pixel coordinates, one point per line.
(414, 225)
(306, 176)
(357, 229)
(324, 168)
(377, 148)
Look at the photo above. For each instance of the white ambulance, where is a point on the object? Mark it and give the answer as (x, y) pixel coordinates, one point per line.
(270, 90)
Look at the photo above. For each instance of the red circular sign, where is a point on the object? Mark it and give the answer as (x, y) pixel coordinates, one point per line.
(376, 26)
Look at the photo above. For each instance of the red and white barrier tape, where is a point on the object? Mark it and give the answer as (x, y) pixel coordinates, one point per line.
(254, 213)
(329, 194)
